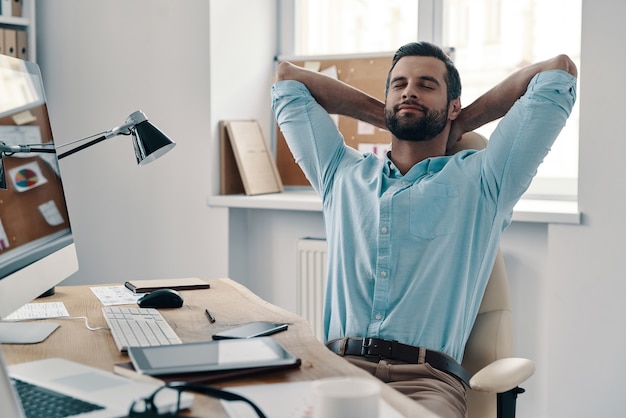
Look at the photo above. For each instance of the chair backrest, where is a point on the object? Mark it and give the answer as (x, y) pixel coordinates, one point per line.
(492, 335)
(491, 338)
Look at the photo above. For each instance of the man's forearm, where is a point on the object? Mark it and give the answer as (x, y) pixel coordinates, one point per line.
(496, 102)
(334, 95)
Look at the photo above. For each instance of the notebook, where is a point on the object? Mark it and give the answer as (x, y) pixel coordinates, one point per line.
(113, 393)
(145, 286)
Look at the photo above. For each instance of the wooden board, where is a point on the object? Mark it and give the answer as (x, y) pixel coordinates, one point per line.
(365, 73)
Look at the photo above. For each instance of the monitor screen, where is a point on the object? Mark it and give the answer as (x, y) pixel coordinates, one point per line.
(36, 246)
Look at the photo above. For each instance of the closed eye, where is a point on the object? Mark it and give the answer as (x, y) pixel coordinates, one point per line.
(429, 83)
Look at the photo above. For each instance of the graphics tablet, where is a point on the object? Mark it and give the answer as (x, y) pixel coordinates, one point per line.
(251, 330)
(211, 356)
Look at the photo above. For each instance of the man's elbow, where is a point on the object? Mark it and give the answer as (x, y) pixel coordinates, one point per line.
(284, 71)
(565, 63)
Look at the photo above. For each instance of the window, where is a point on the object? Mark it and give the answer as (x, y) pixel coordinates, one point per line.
(491, 39)
(328, 27)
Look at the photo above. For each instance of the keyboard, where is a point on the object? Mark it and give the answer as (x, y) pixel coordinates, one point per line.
(138, 327)
(39, 402)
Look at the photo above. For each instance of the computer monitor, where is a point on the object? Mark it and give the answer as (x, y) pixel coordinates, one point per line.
(36, 246)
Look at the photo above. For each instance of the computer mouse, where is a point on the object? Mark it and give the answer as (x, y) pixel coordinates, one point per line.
(161, 298)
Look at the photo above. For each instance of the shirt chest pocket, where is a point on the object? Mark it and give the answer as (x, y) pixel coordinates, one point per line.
(433, 212)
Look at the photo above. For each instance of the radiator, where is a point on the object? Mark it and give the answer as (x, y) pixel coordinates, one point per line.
(311, 280)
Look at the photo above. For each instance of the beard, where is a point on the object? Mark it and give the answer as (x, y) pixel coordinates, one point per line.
(415, 128)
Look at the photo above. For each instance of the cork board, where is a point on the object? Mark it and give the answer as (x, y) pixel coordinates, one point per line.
(23, 211)
(365, 73)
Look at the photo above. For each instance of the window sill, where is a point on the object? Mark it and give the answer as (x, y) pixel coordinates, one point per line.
(527, 210)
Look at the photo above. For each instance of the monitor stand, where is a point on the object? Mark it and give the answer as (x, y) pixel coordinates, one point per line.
(47, 293)
(25, 332)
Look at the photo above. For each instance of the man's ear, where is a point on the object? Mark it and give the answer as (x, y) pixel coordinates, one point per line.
(454, 109)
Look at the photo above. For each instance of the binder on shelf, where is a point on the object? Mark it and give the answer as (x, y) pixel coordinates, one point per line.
(246, 163)
(1, 40)
(10, 42)
(22, 44)
(6, 6)
(230, 180)
(16, 8)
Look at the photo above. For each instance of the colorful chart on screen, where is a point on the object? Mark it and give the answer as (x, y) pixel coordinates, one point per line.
(27, 176)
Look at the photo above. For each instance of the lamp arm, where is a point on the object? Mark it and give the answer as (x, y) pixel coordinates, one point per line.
(7, 150)
(80, 147)
(124, 129)
(15, 149)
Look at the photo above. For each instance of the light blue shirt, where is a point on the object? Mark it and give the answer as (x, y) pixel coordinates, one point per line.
(410, 256)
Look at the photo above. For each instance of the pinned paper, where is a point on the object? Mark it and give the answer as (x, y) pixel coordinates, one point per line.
(20, 135)
(4, 240)
(27, 176)
(51, 213)
(24, 117)
(379, 150)
(313, 65)
(364, 128)
(331, 72)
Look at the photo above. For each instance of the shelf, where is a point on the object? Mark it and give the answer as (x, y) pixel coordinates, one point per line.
(303, 200)
(21, 22)
(526, 210)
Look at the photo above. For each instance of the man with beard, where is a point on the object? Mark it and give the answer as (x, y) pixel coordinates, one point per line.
(412, 239)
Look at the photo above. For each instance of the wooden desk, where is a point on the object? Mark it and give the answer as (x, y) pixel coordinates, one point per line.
(231, 304)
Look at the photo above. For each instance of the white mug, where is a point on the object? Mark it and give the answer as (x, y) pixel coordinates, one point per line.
(344, 397)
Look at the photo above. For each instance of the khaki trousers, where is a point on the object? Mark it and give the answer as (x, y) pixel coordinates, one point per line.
(433, 389)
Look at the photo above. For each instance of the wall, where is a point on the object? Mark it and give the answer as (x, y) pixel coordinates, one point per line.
(585, 359)
(103, 60)
(243, 46)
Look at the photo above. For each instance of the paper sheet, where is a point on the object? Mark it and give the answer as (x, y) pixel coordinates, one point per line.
(115, 295)
(295, 401)
(39, 311)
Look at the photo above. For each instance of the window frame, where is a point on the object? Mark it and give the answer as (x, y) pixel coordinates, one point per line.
(430, 28)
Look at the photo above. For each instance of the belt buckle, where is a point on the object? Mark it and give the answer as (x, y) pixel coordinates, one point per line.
(376, 348)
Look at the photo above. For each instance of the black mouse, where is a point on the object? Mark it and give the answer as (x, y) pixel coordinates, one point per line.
(161, 298)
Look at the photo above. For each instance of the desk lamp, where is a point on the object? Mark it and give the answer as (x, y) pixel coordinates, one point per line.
(149, 143)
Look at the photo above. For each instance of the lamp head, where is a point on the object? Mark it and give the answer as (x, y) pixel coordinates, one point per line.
(149, 142)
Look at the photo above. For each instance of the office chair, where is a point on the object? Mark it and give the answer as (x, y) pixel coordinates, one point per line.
(496, 375)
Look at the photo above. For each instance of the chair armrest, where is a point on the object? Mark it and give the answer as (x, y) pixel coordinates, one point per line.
(502, 375)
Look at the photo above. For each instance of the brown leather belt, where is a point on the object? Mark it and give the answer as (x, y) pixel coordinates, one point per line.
(377, 348)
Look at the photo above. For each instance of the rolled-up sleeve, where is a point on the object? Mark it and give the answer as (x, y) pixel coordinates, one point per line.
(525, 135)
(310, 132)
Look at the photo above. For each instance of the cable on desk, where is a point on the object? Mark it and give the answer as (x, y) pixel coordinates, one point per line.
(90, 328)
(86, 322)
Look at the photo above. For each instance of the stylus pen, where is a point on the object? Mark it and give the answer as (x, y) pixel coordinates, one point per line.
(210, 315)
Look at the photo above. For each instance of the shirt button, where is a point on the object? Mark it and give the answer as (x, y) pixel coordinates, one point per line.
(383, 274)
(378, 316)
(383, 229)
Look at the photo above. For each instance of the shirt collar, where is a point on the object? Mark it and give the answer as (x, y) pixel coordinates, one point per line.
(427, 166)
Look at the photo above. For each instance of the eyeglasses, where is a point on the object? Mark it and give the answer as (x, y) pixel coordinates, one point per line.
(147, 407)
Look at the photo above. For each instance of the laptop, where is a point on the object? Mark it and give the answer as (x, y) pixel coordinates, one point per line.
(112, 394)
